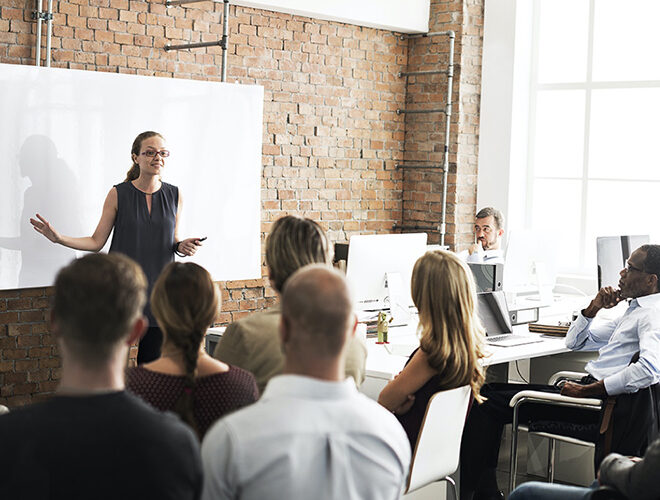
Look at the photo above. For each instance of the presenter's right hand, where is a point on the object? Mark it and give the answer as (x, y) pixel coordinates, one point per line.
(43, 226)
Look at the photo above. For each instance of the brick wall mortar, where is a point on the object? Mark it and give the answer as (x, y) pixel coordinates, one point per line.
(331, 135)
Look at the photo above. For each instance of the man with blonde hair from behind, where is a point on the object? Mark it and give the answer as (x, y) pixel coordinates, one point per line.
(312, 434)
(252, 343)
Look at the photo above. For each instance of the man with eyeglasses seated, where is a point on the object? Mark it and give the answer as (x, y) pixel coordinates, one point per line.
(488, 232)
(628, 361)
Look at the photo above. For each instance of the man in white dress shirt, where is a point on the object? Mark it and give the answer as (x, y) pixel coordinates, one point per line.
(488, 233)
(311, 435)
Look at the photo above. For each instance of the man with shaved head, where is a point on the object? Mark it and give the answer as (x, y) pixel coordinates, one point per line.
(311, 435)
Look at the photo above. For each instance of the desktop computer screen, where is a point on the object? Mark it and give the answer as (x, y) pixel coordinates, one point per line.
(487, 277)
(374, 258)
(494, 313)
(612, 252)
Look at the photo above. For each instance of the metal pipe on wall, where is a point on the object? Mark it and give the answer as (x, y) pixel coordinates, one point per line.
(38, 16)
(49, 31)
(225, 38)
(447, 111)
(445, 168)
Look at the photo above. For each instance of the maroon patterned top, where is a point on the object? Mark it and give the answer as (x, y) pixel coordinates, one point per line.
(215, 395)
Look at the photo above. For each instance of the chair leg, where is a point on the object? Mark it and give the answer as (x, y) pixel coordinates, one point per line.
(552, 448)
(451, 485)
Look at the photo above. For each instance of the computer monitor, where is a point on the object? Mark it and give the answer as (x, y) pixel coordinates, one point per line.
(487, 277)
(494, 313)
(530, 264)
(612, 252)
(375, 257)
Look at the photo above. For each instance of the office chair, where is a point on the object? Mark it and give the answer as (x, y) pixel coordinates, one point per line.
(438, 445)
(545, 398)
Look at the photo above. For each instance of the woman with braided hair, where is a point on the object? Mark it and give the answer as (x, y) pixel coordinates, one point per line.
(185, 379)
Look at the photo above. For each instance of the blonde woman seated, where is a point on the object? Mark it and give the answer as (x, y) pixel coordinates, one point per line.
(451, 339)
(185, 379)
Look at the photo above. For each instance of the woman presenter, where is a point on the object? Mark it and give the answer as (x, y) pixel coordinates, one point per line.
(144, 213)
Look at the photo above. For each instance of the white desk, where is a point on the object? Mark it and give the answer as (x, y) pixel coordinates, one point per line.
(385, 361)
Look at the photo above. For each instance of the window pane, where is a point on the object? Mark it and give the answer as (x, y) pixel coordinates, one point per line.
(626, 40)
(556, 209)
(616, 208)
(563, 28)
(624, 134)
(559, 137)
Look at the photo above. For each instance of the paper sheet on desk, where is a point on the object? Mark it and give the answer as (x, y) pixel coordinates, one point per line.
(404, 350)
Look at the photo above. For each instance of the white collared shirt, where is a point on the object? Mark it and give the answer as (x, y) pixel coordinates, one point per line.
(638, 330)
(306, 439)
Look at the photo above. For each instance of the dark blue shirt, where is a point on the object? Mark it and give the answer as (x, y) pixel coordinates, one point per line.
(148, 238)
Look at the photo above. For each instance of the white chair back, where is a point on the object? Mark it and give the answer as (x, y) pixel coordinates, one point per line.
(439, 442)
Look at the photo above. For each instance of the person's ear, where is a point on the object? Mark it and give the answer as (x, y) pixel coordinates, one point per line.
(52, 324)
(353, 329)
(653, 282)
(285, 330)
(500, 233)
(137, 330)
(135, 158)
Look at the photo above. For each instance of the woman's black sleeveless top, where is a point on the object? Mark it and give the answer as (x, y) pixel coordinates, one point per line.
(146, 238)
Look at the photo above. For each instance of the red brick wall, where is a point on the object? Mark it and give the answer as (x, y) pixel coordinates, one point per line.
(331, 135)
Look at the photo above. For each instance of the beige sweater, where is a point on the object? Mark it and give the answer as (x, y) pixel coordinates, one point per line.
(253, 343)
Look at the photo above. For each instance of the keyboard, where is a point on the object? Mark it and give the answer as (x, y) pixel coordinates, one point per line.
(510, 340)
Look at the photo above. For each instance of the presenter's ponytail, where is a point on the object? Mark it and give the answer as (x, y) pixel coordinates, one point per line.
(185, 303)
(134, 172)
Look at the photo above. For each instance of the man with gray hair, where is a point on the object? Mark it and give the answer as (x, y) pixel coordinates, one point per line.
(311, 435)
(488, 232)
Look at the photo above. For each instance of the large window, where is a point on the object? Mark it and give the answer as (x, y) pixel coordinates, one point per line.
(594, 110)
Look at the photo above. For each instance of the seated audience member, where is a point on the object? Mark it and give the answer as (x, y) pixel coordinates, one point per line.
(253, 343)
(444, 293)
(635, 478)
(185, 379)
(488, 233)
(312, 434)
(93, 439)
(617, 371)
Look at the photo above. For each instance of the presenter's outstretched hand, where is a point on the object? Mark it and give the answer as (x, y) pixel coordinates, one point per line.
(189, 246)
(43, 226)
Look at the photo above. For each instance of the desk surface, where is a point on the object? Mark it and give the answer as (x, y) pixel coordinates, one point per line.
(385, 361)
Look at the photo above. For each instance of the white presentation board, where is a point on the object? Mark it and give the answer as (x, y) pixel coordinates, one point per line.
(65, 140)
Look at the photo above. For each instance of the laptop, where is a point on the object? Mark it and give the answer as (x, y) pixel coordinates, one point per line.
(494, 315)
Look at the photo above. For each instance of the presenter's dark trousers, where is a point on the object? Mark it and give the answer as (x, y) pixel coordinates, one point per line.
(150, 345)
(483, 431)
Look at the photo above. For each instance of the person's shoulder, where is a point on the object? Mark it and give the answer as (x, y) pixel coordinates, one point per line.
(22, 418)
(166, 186)
(157, 423)
(259, 322)
(381, 423)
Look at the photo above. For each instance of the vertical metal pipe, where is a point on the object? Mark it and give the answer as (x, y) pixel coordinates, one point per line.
(552, 449)
(445, 165)
(49, 31)
(225, 37)
(514, 450)
(38, 48)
